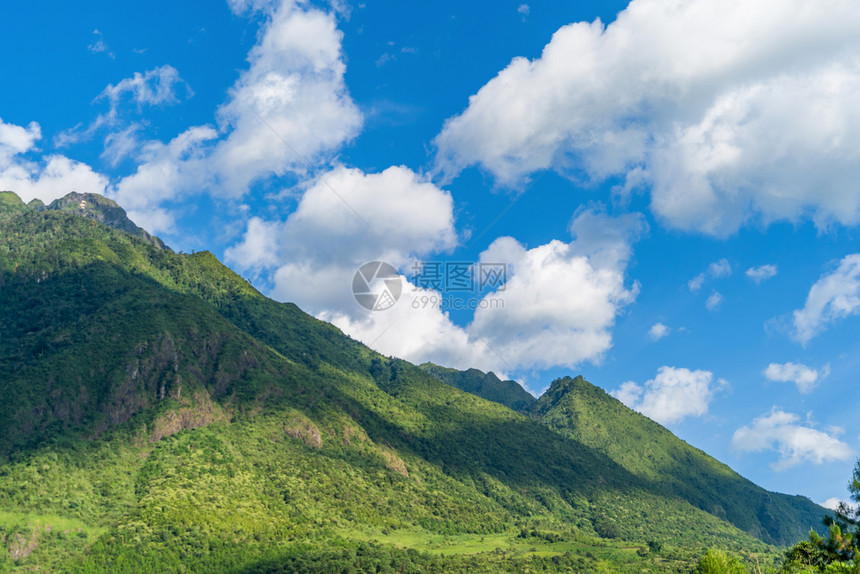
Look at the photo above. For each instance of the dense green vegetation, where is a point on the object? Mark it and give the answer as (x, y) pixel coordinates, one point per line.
(159, 414)
(485, 385)
(837, 551)
(589, 415)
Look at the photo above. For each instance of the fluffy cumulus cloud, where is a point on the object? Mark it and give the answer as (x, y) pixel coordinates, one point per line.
(673, 395)
(726, 111)
(286, 113)
(834, 296)
(419, 330)
(291, 106)
(15, 140)
(344, 219)
(794, 441)
(762, 272)
(47, 178)
(258, 248)
(167, 172)
(557, 307)
(561, 299)
(804, 377)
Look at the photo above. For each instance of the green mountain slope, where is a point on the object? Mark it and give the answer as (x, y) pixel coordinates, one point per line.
(159, 414)
(586, 413)
(485, 385)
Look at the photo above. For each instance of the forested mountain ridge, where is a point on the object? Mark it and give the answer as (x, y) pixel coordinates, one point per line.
(160, 414)
(575, 408)
(586, 413)
(485, 385)
(89, 205)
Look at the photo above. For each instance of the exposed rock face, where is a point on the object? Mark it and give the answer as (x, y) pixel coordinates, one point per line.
(394, 462)
(300, 427)
(202, 412)
(103, 210)
(22, 546)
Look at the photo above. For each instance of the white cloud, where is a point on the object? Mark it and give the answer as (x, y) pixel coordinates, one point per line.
(834, 296)
(714, 301)
(48, 179)
(523, 10)
(658, 331)
(421, 332)
(166, 173)
(558, 308)
(54, 178)
(98, 45)
(796, 443)
(154, 87)
(673, 395)
(696, 282)
(240, 7)
(121, 144)
(344, 219)
(15, 140)
(605, 240)
(727, 111)
(291, 107)
(392, 214)
(804, 377)
(628, 393)
(284, 114)
(559, 303)
(720, 268)
(761, 273)
(258, 248)
(715, 270)
(832, 503)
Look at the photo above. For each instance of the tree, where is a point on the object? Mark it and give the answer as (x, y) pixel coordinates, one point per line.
(836, 552)
(718, 562)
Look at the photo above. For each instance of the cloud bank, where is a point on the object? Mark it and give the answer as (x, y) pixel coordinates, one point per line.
(795, 443)
(726, 112)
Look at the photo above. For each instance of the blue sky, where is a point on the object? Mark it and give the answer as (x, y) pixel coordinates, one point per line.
(670, 187)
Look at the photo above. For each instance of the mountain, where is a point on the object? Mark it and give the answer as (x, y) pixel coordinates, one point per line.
(589, 415)
(101, 209)
(584, 412)
(161, 415)
(485, 385)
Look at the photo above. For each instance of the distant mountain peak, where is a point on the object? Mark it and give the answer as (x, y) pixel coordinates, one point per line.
(103, 210)
(559, 389)
(89, 205)
(567, 382)
(10, 202)
(485, 385)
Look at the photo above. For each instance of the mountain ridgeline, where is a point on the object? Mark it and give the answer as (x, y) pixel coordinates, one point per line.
(587, 414)
(485, 385)
(160, 414)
